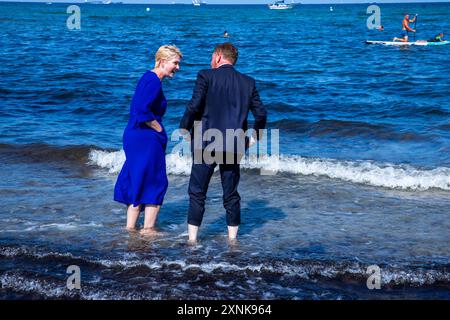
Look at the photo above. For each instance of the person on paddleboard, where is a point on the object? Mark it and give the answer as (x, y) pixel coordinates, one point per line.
(437, 38)
(406, 28)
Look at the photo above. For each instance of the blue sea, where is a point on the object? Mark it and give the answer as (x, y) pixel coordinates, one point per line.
(363, 169)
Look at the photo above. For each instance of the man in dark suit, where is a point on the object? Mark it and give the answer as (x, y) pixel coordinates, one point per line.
(220, 104)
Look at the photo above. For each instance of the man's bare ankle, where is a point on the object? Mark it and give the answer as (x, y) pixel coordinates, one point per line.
(192, 242)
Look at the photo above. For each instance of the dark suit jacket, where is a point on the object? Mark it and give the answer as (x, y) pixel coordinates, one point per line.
(221, 100)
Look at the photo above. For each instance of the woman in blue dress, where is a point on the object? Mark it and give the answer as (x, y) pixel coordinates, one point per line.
(142, 182)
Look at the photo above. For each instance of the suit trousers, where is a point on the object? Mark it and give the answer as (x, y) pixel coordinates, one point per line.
(198, 187)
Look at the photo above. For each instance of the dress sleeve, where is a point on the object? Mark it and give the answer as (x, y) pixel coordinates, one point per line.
(146, 93)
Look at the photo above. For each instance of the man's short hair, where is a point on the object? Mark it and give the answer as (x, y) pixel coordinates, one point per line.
(229, 51)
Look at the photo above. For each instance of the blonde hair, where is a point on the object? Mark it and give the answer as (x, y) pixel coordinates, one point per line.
(167, 52)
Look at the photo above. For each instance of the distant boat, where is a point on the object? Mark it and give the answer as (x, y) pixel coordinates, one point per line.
(281, 5)
(196, 3)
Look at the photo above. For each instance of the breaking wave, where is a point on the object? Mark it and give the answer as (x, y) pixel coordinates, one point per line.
(371, 173)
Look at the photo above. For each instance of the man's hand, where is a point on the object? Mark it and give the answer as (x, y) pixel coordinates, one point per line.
(155, 125)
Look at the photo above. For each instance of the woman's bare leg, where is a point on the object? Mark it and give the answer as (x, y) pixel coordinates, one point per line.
(132, 216)
(151, 214)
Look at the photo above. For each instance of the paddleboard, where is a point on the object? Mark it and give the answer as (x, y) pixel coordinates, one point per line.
(416, 43)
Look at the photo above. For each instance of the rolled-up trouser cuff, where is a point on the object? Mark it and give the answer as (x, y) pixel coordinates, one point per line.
(194, 222)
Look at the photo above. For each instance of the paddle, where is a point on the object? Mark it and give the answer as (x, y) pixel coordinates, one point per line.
(415, 21)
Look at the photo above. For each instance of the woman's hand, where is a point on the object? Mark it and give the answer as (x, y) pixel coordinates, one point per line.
(155, 125)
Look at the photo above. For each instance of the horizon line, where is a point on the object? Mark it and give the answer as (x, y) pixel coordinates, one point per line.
(213, 4)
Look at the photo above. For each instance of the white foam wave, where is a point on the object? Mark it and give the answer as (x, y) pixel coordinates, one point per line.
(113, 161)
(22, 284)
(13, 252)
(390, 275)
(71, 226)
(54, 290)
(365, 172)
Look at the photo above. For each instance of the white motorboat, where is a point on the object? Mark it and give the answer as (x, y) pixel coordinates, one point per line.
(281, 5)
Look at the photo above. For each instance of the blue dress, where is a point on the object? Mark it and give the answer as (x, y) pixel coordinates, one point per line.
(143, 178)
